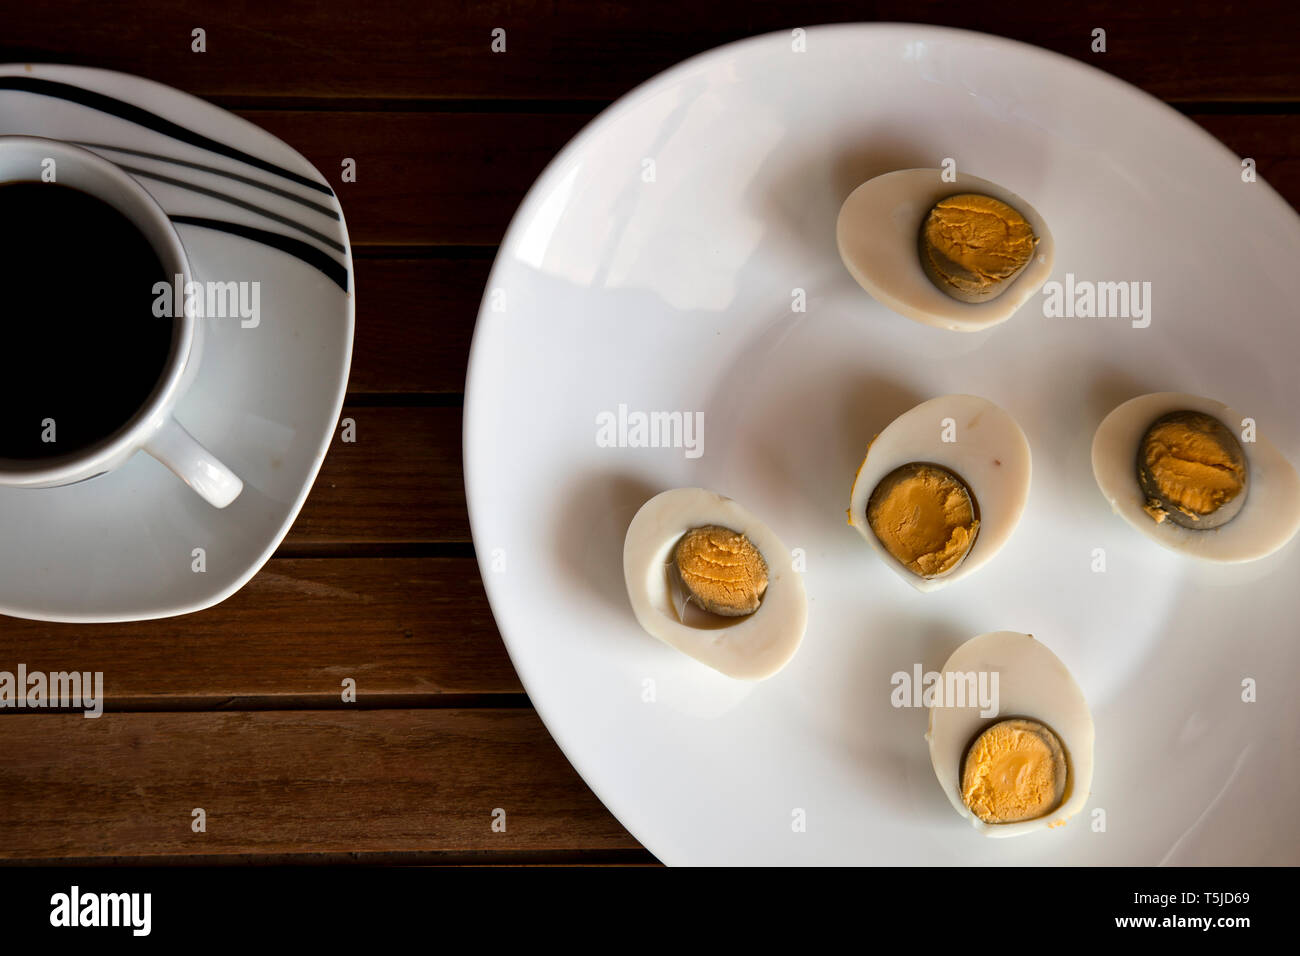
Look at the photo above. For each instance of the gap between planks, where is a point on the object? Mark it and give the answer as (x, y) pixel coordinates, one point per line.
(246, 703)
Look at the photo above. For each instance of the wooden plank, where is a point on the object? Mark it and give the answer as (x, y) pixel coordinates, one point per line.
(425, 178)
(408, 631)
(415, 319)
(399, 482)
(418, 781)
(1272, 141)
(1187, 49)
(456, 179)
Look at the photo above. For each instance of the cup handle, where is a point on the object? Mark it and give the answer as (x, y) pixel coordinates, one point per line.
(193, 464)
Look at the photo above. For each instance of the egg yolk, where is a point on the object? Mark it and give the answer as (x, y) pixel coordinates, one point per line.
(1014, 771)
(1192, 463)
(972, 246)
(721, 570)
(924, 515)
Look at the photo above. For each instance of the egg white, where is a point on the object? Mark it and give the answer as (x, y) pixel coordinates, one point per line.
(754, 647)
(877, 233)
(990, 454)
(1269, 518)
(1032, 683)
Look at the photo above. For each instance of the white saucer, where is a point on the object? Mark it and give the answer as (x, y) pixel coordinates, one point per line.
(266, 400)
(676, 295)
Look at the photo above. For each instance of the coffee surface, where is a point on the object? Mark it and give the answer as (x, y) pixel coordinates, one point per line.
(79, 343)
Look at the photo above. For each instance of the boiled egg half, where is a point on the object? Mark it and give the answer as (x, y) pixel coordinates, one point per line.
(705, 576)
(1196, 477)
(942, 488)
(1029, 765)
(961, 254)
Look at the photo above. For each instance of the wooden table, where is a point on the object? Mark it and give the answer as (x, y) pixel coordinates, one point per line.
(238, 709)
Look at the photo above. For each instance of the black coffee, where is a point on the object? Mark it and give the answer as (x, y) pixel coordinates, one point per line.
(79, 343)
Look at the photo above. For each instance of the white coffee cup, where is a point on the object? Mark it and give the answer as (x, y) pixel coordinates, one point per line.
(153, 428)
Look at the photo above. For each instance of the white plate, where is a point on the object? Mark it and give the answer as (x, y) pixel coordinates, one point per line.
(121, 546)
(676, 295)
